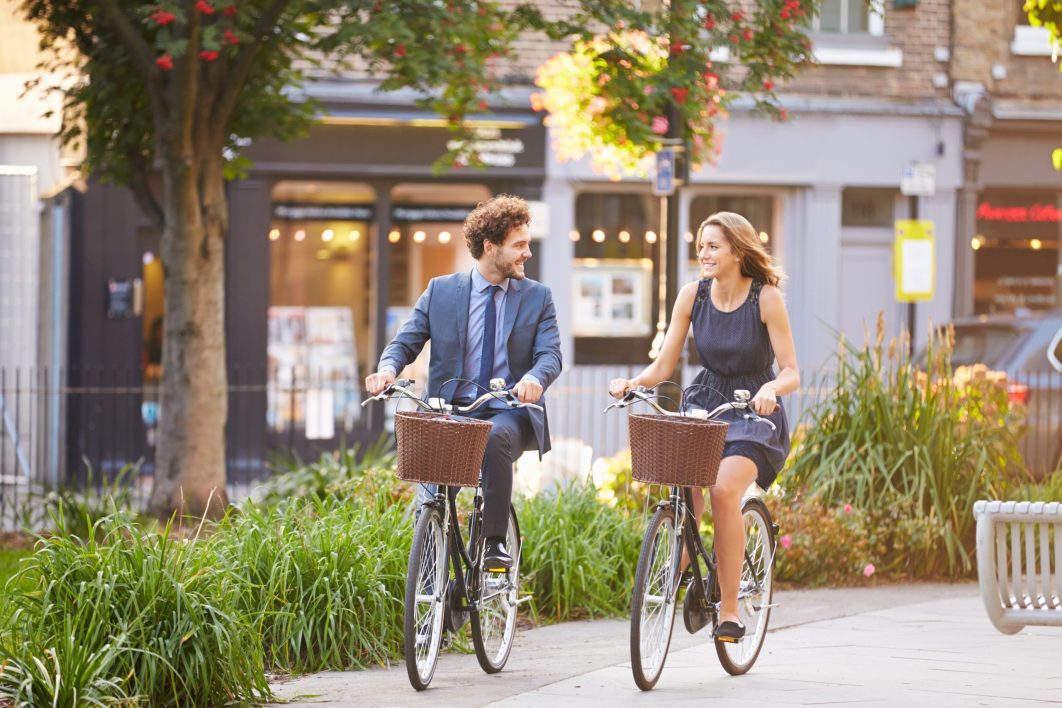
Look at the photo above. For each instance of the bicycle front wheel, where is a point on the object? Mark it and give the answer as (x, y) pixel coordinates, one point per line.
(425, 597)
(653, 601)
(494, 622)
(755, 591)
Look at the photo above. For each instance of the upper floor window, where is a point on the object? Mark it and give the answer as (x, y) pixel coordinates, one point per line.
(1029, 40)
(843, 17)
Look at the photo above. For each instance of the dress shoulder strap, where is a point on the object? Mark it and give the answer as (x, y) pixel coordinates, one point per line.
(754, 292)
(704, 290)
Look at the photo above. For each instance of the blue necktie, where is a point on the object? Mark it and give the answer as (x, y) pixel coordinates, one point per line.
(490, 327)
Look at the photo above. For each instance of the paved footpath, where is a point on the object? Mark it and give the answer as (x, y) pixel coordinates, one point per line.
(908, 645)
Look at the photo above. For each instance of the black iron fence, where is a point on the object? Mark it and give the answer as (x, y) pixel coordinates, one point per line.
(80, 429)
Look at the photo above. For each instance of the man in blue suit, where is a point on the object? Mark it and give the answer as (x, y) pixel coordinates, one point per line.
(492, 322)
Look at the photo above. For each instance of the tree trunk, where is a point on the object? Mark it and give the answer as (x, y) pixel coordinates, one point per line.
(190, 458)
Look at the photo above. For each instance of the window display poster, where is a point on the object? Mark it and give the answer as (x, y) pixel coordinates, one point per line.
(612, 300)
(313, 370)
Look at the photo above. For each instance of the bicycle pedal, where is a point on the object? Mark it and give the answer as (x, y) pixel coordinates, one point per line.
(727, 640)
(496, 570)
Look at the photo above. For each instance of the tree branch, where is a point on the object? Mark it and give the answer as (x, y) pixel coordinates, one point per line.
(234, 80)
(139, 50)
(146, 200)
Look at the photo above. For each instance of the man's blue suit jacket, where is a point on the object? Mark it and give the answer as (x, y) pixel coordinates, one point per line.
(531, 336)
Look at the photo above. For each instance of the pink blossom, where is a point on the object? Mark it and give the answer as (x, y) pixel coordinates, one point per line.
(869, 570)
(786, 541)
(660, 125)
(598, 104)
(848, 508)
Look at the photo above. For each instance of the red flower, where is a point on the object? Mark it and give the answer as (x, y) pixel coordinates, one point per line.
(482, 105)
(748, 35)
(400, 50)
(204, 7)
(768, 85)
(709, 22)
(734, 39)
(162, 17)
(460, 49)
(229, 11)
(165, 62)
(680, 93)
(784, 14)
(783, 114)
(737, 16)
(208, 55)
(677, 47)
(231, 37)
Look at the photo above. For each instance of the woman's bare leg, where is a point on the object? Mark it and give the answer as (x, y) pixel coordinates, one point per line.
(735, 476)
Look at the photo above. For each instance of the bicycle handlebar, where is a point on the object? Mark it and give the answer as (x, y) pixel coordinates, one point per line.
(646, 395)
(400, 389)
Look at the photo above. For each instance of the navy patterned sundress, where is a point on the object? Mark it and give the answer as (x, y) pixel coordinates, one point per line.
(735, 351)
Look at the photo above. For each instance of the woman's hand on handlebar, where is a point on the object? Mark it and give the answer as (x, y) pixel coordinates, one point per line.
(766, 400)
(618, 388)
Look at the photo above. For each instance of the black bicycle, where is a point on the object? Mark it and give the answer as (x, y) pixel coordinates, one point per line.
(658, 578)
(446, 582)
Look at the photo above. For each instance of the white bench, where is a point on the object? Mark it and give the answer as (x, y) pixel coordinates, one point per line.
(1019, 562)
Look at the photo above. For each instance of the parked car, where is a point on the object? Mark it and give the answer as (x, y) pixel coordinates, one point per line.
(1028, 347)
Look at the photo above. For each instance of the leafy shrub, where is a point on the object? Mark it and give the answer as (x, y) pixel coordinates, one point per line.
(324, 577)
(887, 431)
(365, 473)
(78, 510)
(153, 616)
(579, 555)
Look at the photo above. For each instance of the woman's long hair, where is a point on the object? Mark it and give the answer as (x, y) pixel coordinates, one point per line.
(745, 243)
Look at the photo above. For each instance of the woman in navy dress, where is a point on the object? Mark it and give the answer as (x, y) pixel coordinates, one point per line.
(741, 327)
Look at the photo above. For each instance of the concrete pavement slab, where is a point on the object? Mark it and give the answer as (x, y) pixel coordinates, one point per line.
(922, 644)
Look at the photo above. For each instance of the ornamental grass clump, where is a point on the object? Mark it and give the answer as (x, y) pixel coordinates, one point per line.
(129, 612)
(579, 555)
(325, 578)
(888, 432)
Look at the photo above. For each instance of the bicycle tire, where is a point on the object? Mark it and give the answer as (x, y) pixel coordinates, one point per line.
(425, 588)
(494, 619)
(653, 613)
(755, 592)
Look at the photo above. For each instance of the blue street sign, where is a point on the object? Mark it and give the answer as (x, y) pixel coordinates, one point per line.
(664, 184)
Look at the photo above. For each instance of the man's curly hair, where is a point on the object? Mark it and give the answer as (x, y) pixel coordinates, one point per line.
(492, 221)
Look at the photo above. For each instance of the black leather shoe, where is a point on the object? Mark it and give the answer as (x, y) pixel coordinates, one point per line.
(729, 632)
(495, 558)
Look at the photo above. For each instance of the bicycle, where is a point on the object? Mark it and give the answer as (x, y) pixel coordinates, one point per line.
(657, 578)
(435, 600)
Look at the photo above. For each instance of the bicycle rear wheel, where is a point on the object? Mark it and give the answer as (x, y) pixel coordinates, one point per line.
(425, 597)
(494, 621)
(755, 591)
(653, 601)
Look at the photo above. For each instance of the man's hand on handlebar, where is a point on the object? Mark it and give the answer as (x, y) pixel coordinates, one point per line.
(527, 391)
(375, 383)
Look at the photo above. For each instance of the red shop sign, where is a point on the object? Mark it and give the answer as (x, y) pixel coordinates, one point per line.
(1018, 214)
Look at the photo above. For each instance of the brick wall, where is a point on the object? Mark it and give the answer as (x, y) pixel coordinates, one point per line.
(984, 30)
(916, 32)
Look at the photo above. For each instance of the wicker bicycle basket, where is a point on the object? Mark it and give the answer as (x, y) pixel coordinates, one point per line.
(677, 451)
(439, 449)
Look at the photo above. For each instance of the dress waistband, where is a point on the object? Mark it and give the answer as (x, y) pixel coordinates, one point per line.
(768, 373)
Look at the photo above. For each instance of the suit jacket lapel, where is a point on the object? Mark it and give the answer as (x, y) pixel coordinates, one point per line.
(464, 293)
(512, 307)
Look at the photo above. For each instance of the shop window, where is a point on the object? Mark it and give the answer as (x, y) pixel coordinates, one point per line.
(320, 314)
(873, 208)
(1016, 248)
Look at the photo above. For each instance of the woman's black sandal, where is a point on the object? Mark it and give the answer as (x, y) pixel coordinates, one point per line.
(729, 632)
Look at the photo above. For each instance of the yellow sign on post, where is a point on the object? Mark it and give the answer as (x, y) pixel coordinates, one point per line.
(914, 260)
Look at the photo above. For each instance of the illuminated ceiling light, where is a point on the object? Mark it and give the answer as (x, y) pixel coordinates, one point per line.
(419, 236)
(650, 237)
(274, 234)
(573, 235)
(976, 242)
(300, 235)
(688, 237)
(394, 236)
(624, 236)
(764, 238)
(444, 237)
(1036, 244)
(598, 236)
(327, 235)
(354, 235)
